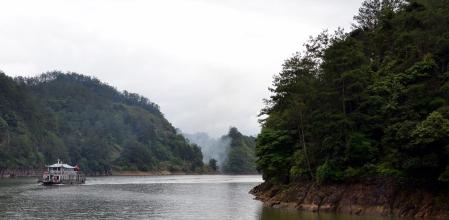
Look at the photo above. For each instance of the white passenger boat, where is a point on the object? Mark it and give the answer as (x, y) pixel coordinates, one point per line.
(61, 173)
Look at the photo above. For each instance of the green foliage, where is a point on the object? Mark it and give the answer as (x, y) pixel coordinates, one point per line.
(83, 121)
(22, 125)
(435, 128)
(385, 169)
(359, 150)
(213, 165)
(241, 156)
(371, 102)
(444, 177)
(327, 172)
(274, 154)
(299, 167)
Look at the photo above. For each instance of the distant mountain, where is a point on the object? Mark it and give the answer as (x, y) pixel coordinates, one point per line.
(83, 121)
(234, 152)
(212, 148)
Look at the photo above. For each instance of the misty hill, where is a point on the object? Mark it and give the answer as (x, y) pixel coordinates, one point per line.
(212, 148)
(234, 152)
(241, 155)
(81, 120)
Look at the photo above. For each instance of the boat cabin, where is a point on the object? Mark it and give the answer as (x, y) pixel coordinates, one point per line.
(61, 173)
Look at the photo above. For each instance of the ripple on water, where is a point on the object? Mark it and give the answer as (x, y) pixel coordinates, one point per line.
(204, 197)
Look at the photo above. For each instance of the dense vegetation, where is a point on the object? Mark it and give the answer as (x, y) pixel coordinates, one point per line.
(233, 153)
(212, 148)
(369, 103)
(241, 157)
(83, 121)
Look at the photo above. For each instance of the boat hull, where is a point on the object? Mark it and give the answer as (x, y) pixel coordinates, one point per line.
(63, 182)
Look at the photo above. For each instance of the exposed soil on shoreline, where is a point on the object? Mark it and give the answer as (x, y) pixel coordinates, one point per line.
(378, 198)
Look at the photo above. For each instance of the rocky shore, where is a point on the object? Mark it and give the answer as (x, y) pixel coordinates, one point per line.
(378, 198)
(6, 173)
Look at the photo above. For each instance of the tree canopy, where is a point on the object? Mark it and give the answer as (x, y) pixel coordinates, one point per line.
(372, 102)
(83, 121)
(240, 156)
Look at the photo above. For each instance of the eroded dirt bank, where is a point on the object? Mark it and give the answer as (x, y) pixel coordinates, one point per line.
(382, 198)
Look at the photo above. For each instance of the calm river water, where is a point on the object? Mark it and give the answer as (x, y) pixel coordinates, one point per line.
(187, 197)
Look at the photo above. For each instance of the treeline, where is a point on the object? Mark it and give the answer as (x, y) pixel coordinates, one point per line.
(81, 120)
(241, 157)
(232, 153)
(369, 103)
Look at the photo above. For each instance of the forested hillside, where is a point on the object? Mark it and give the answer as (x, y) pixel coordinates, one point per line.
(372, 102)
(83, 121)
(23, 124)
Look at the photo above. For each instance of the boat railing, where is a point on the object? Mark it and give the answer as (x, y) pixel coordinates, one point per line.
(64, 176)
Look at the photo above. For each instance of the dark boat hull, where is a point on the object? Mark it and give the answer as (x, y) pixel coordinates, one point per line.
(67, 182)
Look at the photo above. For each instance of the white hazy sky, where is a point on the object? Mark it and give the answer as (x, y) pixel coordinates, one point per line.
(207, 63)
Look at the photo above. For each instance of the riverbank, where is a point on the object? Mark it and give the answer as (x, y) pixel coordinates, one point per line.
(8, 173)
(378, 198)
(143, 173)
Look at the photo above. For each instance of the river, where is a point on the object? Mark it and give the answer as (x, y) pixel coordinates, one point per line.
(187, 197)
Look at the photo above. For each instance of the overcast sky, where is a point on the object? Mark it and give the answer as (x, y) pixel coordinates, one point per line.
(207, 63)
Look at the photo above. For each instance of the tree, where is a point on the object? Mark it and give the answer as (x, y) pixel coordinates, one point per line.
(79, 119)
(213, 164)
(372, 102)
(241, 155)
(372, 11)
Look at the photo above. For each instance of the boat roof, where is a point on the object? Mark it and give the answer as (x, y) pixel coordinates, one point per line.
(60, 165)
